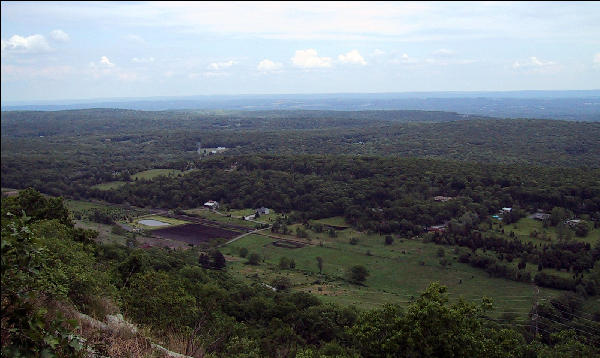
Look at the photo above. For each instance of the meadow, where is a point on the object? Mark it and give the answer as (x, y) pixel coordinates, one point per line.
(397, 272)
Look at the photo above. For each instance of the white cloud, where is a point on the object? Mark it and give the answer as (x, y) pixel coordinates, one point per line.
(135, 38)
(404, 59)
(104, 61)
(211, 74)
(597, 59)
(378, 52)
(221, 65)
(59, 35)
(309, 59)
(532, 62)
(352, 57)
(30, 44)
(142, 59)
(443, 52)
(269, 66)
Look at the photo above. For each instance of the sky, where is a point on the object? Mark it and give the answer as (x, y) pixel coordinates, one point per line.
(88, 50)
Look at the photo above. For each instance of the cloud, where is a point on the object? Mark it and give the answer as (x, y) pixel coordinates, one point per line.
(309, 59)
(59, 35)
(443, 52)
(221, 65)
(142, 59)
(535, 65)
(378, 52)
(352, 57)
(104, 61)
(30, 44)
(102, 67)
(135, 38)
(269, 66)
(597, 59)
(404, 59)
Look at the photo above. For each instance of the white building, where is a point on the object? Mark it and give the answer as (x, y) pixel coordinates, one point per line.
(211, 204)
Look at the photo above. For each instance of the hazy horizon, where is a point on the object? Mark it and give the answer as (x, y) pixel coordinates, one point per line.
(56, 51)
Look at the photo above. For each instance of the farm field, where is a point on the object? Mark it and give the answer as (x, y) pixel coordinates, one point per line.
(195, 234)
(153, 173)
(143, 175)
(336, 221)
(80, 205)
(105, 232)
(397, 273)
(164, 219)
(209, 215)
(525, 226)
(109, 185)
(267, 218)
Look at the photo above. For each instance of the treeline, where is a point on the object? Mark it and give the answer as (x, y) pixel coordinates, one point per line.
(66, 152)
(108, 121)
(380, 194)
(46, 269)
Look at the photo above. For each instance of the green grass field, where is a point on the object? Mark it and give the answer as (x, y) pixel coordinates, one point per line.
(109, 185)
(171, 221)
(207, 214)
(79, 205)
(268, 218)
(153, 173)
(146, 174)
(525, 226)
(105, 234)
(334, 221)
(397, 272)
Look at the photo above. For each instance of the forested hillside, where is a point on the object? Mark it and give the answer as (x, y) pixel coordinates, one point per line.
(299, 234)
(67, 152)
(51, 270)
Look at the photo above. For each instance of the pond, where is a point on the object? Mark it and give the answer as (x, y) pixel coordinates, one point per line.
(152, 222)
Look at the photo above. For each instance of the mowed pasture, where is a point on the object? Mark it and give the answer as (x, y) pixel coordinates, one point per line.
(153, 173)
(398, 272)
(143, 175)
(195, 234)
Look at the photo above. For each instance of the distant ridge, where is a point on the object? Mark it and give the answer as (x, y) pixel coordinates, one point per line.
(564, 105)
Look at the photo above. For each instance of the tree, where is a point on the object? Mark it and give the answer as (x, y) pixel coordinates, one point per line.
(243, 252)
(320, 263)
(204, 260)
(389, 240)
(582, 229)
(218, 260)
(284, 263)
(254, 259)
(281, 283)
(358, 274)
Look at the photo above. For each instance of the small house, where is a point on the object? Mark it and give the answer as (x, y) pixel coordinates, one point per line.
(442, 198)
(437, 228)
(263, 211)
(505, 210)
(540, 216)
(573, 222)
(211, 204)
(250, 217)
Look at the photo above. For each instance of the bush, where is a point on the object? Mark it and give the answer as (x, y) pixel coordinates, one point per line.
(358, 274)
(243, 252)
(389, 240)
(254, 259)
(284, 263)
(281, 283)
